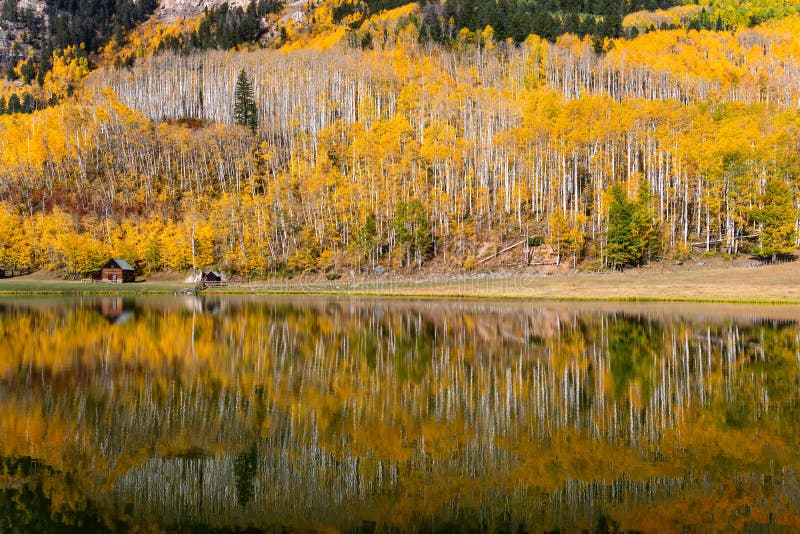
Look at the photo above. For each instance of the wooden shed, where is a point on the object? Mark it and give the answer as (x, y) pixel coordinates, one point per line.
(212, 279)
(212, 276)
(116, 271)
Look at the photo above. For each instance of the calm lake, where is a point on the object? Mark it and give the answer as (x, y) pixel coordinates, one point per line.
(370, 415)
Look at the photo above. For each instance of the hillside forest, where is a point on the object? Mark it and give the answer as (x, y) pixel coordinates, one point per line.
(363, 142)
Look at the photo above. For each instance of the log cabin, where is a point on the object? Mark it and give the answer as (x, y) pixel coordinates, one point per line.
(115, 271)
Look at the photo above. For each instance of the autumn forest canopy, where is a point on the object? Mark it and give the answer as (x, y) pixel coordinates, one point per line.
(370, 136)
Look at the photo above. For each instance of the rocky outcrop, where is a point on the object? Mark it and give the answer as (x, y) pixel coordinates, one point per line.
(173, 9)
(39, 6)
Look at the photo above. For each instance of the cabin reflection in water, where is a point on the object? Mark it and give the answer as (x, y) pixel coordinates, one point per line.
(210, 305)
(310, 412)
(116, 309)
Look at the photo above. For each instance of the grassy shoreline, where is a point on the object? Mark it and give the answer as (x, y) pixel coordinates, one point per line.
(772, 284)
(23, 286)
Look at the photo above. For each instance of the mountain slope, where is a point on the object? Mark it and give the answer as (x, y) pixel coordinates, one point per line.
(378, 149)
(410, 155)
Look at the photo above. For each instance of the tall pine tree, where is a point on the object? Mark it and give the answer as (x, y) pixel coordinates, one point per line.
(620, 249)
(245, 112)
(632, 236)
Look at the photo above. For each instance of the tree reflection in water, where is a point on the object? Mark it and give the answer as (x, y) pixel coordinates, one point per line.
(371, 414)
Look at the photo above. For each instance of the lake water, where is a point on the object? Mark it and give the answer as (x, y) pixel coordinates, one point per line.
(362, 415)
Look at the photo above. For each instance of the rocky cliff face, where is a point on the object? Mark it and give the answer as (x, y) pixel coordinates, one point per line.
(38, 6)
(14, 31)
(168, 10)
(173, 9)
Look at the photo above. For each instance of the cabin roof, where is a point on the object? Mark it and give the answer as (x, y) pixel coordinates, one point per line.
(121, 264)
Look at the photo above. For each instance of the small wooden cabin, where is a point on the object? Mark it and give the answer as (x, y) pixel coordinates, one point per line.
(212, 279)
(116, 271)
(212, 276)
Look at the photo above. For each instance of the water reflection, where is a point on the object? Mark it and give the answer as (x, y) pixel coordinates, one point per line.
(362, 414)
(116, 310)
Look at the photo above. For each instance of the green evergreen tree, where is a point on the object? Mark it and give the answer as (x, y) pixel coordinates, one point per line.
(777, 218)
(28, 103)
(245, 112)
(245, 468)
(632, 236)
(588, 26)
(572, 24)
(520, 25)
(412, 229)
(14, 105)
(367, 237)
(646, 232)
(620, 249)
